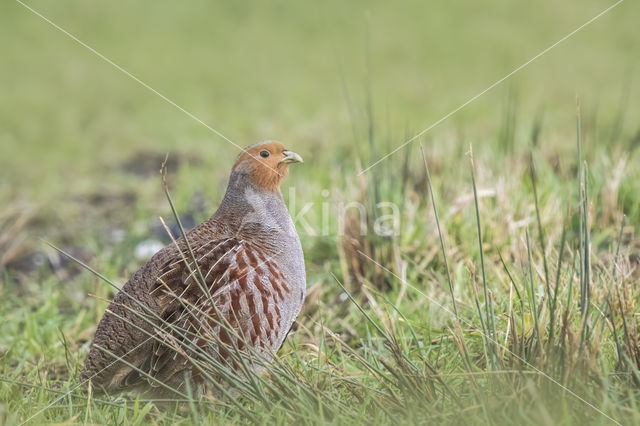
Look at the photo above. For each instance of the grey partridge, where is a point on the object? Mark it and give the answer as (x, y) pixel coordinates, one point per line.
(241, 294)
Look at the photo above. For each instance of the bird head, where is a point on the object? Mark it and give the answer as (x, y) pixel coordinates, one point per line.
(266, 164)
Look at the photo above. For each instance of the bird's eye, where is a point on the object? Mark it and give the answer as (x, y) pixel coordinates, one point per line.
(264, 154)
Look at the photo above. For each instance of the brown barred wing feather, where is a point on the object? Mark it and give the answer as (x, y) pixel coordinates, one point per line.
(237, 307)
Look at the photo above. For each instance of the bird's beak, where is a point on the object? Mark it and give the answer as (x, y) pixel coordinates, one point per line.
(291, 157)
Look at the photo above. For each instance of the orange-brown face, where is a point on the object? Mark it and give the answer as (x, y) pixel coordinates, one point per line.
(266, 163)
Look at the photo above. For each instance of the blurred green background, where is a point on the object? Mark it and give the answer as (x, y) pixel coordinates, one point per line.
(288, 71)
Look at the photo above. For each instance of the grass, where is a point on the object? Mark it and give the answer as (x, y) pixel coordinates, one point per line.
(508, 294)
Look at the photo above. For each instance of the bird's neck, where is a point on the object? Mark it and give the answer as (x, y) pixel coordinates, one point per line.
(245, 202)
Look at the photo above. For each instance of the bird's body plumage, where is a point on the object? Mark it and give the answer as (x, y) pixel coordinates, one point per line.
(250, 260)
